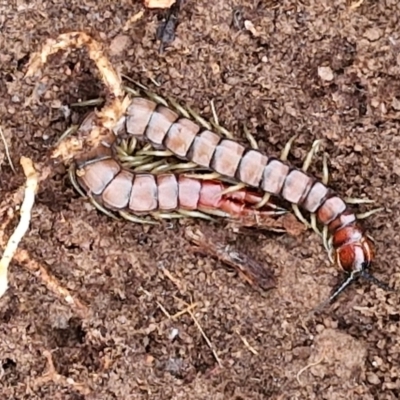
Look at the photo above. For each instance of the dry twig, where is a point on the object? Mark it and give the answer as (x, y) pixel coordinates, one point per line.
(246, 343)
(132, 20)
(22, 256)
(110, 114)
(307, 367)
(6, 150)
(208, 341)
(356, 5)
(52, 283)
(53, 376)
(251, 271)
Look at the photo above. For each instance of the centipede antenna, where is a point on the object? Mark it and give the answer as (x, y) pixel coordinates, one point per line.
(366, 275)
(346, 283)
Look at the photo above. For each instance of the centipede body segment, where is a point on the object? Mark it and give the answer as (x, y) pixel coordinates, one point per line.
(121, 190)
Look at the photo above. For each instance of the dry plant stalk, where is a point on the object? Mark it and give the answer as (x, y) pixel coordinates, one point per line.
(51, 375)
(31, 188)
(51, 282)
(250, 270)
(110, 114)
(199, 327)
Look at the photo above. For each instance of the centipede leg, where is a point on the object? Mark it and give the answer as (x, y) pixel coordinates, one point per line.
(133, 218)
(325, 169)
(328, 243)
(164, 215)
(348, 200)
(88, 103)
(325, 178)
(369, 213)
(99, 207)
(310, 155)
(250, 138)
(70, 131)
(169, 167)
(306, 165)
(74, 182)
(232, 189)
(286, 150)
(263, 201)
(195, 214)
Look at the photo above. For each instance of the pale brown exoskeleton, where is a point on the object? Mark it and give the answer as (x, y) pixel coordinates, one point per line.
(166, 195)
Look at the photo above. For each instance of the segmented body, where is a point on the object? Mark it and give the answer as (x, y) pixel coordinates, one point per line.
(165, 129)
(195, 143)
(119, 189)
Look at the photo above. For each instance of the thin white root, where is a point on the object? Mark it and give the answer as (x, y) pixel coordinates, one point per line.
(31, 187)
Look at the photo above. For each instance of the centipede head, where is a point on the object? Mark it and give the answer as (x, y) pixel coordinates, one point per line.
(355, 258)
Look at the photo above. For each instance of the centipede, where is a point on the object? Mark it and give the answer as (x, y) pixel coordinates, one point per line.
(255, 177)
(131, 182)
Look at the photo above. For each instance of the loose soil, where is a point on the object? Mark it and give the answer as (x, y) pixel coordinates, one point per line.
(320, 69)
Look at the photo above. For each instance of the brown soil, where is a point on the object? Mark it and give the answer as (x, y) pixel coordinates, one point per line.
(319, 70)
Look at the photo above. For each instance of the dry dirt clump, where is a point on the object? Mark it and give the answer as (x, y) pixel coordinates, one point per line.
(104, 309)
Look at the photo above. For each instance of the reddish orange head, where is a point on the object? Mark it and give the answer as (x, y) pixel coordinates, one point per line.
(355, 257)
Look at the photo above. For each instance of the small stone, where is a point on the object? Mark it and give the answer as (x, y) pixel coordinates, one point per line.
(373, 379)
(149, 359)
(372, 34)
(215, 68)
(119, 44)
(375, 102)
(325, 73)
(396, 104)
(251, 28)
(173, 334)
(377, 360)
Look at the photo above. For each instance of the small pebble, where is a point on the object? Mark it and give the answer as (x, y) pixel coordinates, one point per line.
(325, 73)
(373, 379)
(372, 34)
